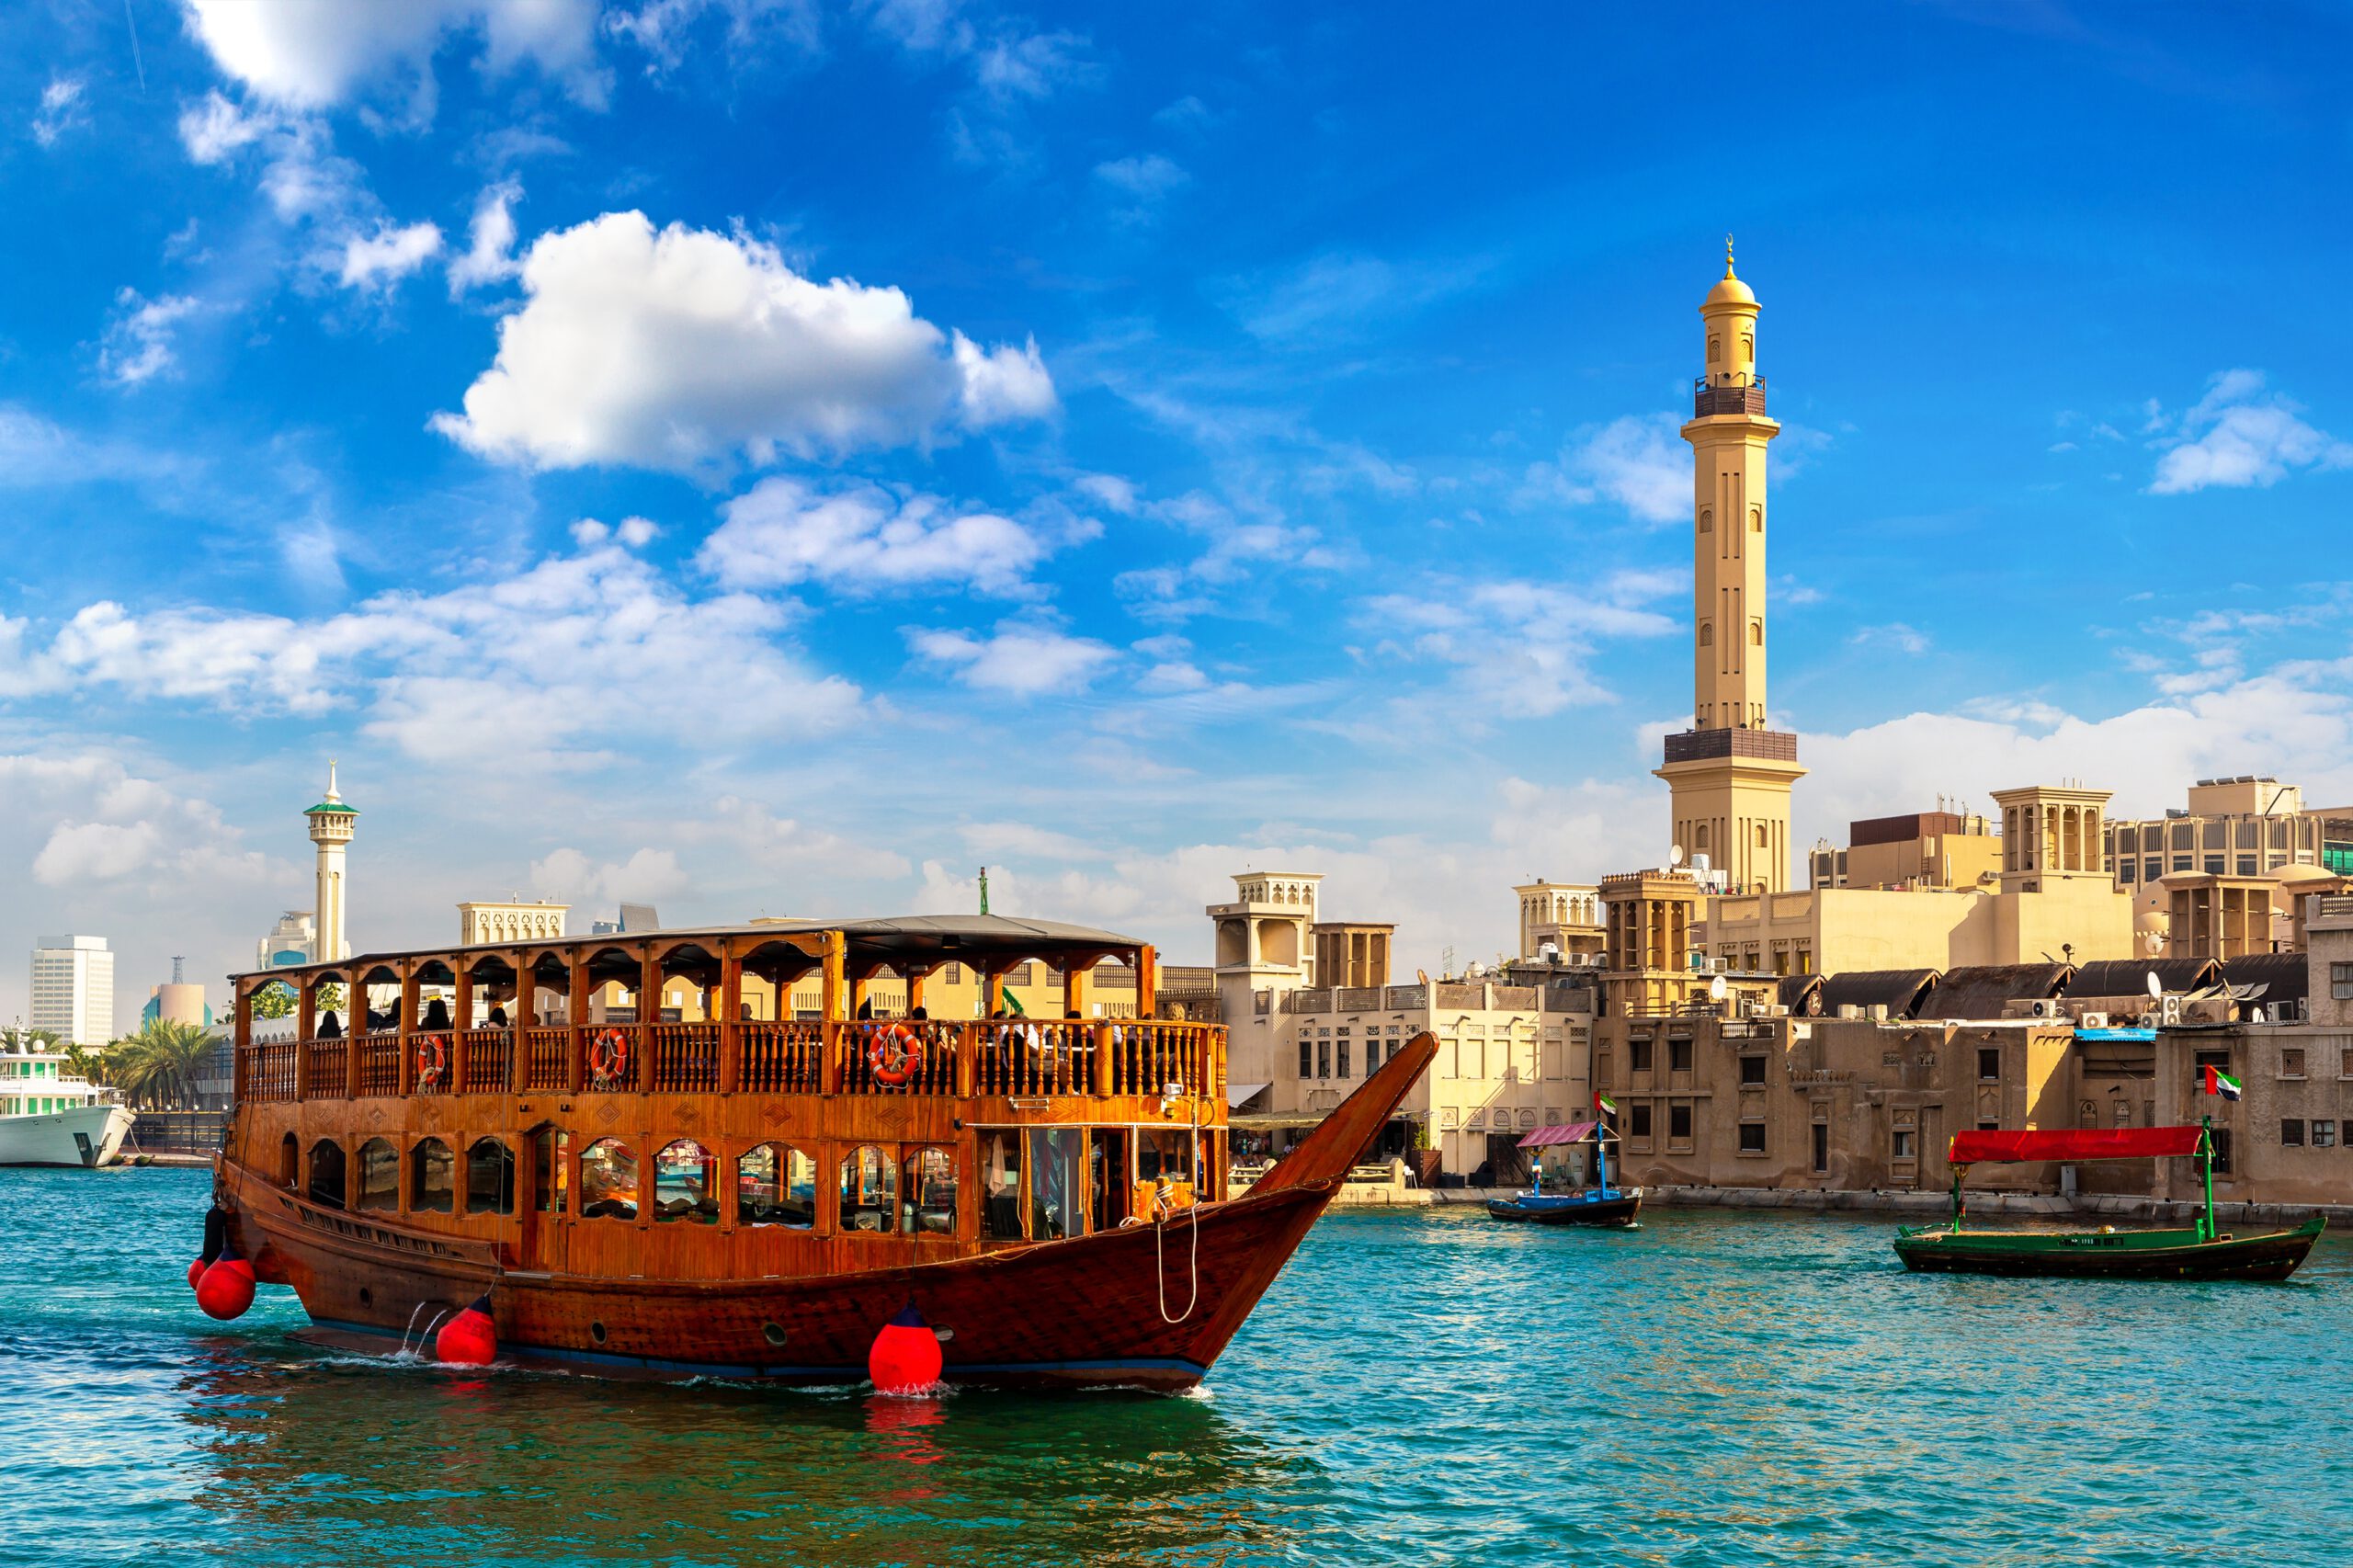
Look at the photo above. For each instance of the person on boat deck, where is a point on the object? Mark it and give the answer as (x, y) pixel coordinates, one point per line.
(865, 1008)
(498, 1017)
(437, 1016)
(330, 1027)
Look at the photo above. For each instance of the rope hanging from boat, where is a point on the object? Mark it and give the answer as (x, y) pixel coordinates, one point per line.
(1163, 1202)
(897, 1057)
(432, 1058)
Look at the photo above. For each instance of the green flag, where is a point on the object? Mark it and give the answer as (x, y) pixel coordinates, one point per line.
(1012, 1003)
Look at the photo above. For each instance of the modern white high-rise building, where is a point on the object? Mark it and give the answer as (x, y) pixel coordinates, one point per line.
(73, 989)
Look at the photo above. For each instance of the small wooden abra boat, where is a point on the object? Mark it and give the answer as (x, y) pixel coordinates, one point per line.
(2200, 1252)
(669, 1186)
(1599, 1205)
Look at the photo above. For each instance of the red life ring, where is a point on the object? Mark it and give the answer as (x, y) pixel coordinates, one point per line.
(608, 1056)
(897, 1055)
(432, 1058)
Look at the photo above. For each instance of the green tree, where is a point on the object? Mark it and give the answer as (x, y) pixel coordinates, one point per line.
(156, 1067)
(274, 1000)
(19, 1038)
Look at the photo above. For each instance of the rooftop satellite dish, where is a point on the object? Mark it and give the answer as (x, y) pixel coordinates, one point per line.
(1717, 989)
(2156, 986)
(1422, 975)
(1674, 855)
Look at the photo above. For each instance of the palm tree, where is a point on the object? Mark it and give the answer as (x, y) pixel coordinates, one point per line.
(157, 1066)
(18, 1038)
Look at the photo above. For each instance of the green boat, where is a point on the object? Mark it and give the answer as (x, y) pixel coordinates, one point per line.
(2201, 1251)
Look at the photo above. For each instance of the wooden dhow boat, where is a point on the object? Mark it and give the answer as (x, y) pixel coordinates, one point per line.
(705, 1192)
(1600, 1205)
(2203, 1251)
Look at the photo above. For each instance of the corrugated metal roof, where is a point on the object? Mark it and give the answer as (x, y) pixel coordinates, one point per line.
(1983, 991)
(1900, 991)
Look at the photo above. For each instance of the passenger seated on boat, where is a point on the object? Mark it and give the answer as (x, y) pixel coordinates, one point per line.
(436, 1015)
(330, 1027)
(498, 1017)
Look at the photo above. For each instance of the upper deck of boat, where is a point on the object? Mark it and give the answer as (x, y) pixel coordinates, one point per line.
(517, 1017)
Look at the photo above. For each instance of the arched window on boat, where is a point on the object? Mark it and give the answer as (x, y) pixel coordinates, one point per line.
(551, 1174)
(432, 1176)
(869, 1190)
(289, 1162)
(1058, 1181)
(380, 1176)
(685, 1182)
(930, 1207)
(776, 1184)
(326, 1174)
(608, 1180)
(490, 1178)
(1001, 1186)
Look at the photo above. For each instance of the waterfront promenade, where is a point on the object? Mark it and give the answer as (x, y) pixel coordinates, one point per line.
(1421, 1387)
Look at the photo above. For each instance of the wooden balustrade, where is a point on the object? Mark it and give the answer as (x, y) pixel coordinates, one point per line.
(1018, 1058)
(548, 1057)
(783, 1058)
(685, 1059)
(379, 1063)
(328, 1069)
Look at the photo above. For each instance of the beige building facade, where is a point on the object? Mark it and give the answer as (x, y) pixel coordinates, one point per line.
(1564, 917)
(516, 920)
(2243, 826)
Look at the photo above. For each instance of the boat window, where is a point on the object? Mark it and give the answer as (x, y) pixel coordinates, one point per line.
(776, 1184)
(869, 1190)
(1163, 1151)
(1001, 1186)
(608, 1180)
(432, 1176)
(1057, 1182)
(380, 1176)
(550, 1179)
(684, 1176)
(490, 1178)
(290, 1161)
(326, 1174)
(931, 1193)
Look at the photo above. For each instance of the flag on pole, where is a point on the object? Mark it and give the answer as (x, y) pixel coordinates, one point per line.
(1602, 1102)
(1012, 1003)
(2221, 1082)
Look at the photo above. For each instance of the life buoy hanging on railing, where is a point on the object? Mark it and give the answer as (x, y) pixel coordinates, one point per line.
(608, 1057)
(895, 1056)
(432, 1058)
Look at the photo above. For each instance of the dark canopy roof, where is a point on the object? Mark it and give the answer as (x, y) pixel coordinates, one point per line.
(1900, 991)
(1802, 994)
(2130, 977)
(2287, 977)
(1984, 991)
(918, 940)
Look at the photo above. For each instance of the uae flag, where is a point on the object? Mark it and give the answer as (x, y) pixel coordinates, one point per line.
(1604, 1103)
(2221, 1082)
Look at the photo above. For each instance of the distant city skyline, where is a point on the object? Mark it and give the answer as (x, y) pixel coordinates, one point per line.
(1123, 449)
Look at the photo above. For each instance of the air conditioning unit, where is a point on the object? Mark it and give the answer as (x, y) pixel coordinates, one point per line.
(2044, 1009)
(2169, 1012)
(1777, 1010)
(1877, 1012)
(1848, 1010)
(2092, 1021)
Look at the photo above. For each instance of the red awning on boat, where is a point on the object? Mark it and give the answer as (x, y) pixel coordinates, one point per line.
(1575, 1133)
(2088, 1143)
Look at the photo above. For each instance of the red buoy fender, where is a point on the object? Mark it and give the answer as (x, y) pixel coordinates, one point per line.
(225, 1289)
(905, 1357)
(195, 1273)
(470, 1339)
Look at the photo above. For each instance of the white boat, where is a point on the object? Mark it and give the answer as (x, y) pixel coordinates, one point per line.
(49, 1117)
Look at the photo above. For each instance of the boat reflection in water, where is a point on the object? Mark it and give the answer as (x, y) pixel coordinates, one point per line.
(345, 1454)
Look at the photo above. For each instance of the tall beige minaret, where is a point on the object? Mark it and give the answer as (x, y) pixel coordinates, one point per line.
(331, 825)
(1730, 775)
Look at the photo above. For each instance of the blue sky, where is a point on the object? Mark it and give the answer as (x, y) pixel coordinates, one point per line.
(773, 457)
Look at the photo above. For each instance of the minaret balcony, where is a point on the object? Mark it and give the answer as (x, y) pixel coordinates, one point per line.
(1719, 397)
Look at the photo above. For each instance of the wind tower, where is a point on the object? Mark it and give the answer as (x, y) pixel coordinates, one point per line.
(331, 825)
(1730, 775)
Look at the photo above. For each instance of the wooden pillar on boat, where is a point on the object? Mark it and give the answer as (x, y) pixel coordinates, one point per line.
(836, 960)
(462, 1022)
(353, 1024)
(575, 1019)
(245, 1039)
(731, 1036)
(1147, 982)
(915, 981)
(306, 1029)
(857, 993)
(649, 1014)
(406, 1024)
(519, 1020)
(1075, 977)
(1106, 1059)
(992, 990)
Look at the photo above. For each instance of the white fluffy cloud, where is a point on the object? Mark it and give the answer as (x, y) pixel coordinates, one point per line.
(565, 663)
(65, 106)
(863, 538)
(575, 877)
(141, 342)
(1520, 648)
(490, 249)
(316, 54)
(1017, 659)
(380, 259)
(2238, 435)
(682, 348)
(1636, 461)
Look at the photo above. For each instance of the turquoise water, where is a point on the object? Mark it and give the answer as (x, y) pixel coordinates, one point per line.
(1423, 1389)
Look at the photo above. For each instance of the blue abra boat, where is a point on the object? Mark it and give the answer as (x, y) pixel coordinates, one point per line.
(1599, 1204)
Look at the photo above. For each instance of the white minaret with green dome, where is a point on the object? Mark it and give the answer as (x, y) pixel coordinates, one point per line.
(331, 823)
